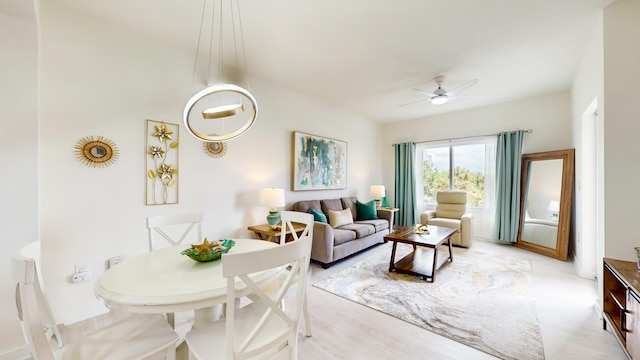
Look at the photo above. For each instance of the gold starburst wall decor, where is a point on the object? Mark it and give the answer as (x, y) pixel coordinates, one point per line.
(162, 163)
(214, 149)
(96, 152)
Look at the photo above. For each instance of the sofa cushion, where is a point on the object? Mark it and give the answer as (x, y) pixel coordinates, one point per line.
(306, 206)
(330, 204)
(378, 224)
(340, 218)
(341, 236)
(318, 215)
(360, 229)
(366, 211)
(350, 203)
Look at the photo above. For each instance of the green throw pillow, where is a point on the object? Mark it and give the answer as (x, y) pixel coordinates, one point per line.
(318, 215)
(366, 211)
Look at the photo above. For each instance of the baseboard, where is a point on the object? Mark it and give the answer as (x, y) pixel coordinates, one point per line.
(17, 354)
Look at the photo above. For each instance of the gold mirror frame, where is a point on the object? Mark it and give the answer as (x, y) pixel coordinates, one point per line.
(98, 152)
(566, 197)
(214, 149)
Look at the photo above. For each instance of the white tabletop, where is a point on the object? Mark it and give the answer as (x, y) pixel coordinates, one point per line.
(165, 281)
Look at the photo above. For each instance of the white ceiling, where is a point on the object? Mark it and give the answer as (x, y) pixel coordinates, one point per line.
(365, 56)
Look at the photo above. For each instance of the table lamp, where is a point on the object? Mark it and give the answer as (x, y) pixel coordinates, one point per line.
(377, 192)
(554, 207)
(272, 198)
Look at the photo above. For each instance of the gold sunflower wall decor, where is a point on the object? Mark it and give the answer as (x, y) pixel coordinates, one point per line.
(214, 148)
(96, 152)
(162, 163)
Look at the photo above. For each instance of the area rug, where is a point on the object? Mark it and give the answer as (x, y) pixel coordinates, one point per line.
(481, 300)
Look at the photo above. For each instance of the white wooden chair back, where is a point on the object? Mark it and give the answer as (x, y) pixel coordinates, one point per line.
(134, 338)
(29, 305)
(271, 329)
(172, 230)
(27, 267)
(290, 217)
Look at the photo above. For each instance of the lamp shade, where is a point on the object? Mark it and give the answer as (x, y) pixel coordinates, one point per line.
(377, 191)
(272, 197)
(554, 206)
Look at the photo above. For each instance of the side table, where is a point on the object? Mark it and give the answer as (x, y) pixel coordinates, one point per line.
(392, 211)
(265, 232)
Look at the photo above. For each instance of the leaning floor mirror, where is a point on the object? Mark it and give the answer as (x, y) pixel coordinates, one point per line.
(545, 205)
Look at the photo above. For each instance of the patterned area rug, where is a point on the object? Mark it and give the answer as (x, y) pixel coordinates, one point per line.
(481, 300)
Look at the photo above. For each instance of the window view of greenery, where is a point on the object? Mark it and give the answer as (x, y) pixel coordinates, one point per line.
(468, 163)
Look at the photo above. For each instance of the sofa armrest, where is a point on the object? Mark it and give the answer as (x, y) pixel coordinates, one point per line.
(426, 216)
(387, 215)
(322, 247)
(466, 229)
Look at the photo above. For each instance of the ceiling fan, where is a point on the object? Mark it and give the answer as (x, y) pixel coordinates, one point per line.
(440, 95)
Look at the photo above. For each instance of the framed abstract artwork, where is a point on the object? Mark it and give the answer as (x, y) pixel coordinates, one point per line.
(162, 163)
(319, 163)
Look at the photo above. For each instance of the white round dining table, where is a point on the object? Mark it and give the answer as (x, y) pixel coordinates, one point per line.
(164, 281)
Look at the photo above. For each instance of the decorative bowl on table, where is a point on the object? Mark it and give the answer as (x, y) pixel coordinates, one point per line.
(209, 250)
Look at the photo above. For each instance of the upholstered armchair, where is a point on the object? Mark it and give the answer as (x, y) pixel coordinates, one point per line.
(451, 212)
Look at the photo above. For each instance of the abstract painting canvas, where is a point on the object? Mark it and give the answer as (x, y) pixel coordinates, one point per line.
(318, 163)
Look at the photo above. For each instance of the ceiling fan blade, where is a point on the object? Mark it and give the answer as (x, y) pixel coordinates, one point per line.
(463, 87)
(416, 102)
(430, 94)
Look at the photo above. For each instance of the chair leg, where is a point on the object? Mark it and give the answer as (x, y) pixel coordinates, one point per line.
(307, 320)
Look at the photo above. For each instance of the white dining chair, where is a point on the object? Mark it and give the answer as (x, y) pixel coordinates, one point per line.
(261, 329)
(288, 218)
(132, 338)
(31, 251)
(172, 230)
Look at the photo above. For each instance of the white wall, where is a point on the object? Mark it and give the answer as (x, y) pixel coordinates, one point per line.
(621, 128)
(18, 127)
(586, 96)
(548, 116)
(99, 79)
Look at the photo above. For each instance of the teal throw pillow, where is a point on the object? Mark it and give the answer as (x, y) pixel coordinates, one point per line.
(318, 215)
(366, 211)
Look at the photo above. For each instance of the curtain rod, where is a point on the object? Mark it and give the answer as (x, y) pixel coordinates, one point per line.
(529, 131)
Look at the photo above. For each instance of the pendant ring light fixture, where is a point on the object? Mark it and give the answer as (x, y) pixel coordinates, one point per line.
(225, 110)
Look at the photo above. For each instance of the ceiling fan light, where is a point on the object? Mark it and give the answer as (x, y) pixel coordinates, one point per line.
(439, 100)
(222, 111)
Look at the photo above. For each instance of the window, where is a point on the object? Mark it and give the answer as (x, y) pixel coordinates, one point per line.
(473, 165)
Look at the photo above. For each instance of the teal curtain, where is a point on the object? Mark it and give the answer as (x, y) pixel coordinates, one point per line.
(405, 177)
(508, 155)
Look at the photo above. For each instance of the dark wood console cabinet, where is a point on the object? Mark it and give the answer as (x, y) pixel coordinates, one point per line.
(621, 305)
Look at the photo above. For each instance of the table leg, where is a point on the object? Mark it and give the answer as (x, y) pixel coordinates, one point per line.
(393, 256)
(450, 250)
(435, 265)
(207, 315)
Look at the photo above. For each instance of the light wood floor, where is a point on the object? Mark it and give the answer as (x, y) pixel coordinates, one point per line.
(571, 328)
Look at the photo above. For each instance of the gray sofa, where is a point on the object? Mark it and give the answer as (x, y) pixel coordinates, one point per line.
(332, 244)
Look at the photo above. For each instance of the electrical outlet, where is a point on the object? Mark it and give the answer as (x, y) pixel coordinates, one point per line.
(81, 276)
(116, 260)
(81, 268)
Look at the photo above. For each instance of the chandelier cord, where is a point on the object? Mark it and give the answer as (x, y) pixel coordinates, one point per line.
(195, 62)
(244, 53)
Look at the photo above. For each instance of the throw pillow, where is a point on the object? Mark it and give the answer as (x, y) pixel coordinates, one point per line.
(366, 211)
(318, 215)
(339, 218)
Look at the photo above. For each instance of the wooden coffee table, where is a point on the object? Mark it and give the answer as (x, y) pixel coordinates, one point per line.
(425, 259)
